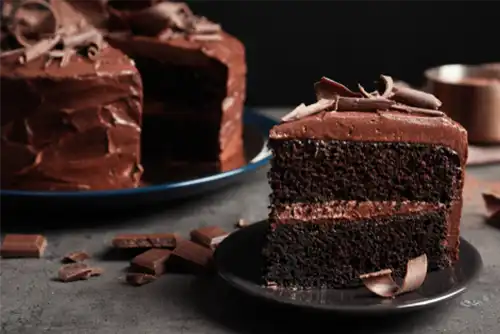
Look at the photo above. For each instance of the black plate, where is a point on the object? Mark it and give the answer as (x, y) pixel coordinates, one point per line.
(238, 262)
(159, 188)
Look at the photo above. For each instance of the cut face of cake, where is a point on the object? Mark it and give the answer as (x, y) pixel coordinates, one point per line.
(194, 83)
(360, 183)
(71, 109)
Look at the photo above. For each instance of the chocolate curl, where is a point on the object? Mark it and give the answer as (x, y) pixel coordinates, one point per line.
(302, 110)
(204, 26)
(416, 98)
(40, 48)
(389, 86)
(415, 110)
(327, 88)
(18, 26)
(91, 39)
(155, 19)
(492, 202)
(361, 104)
(382, 284)
(205, 38)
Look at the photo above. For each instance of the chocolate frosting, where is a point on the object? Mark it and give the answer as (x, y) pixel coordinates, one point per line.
(377, 127)
(71, 128)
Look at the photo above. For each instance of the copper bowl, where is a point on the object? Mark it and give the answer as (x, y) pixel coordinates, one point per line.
(470, 96)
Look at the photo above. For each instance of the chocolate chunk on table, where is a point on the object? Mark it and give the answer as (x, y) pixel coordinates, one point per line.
(152, 261)
(154, 240)
(77, 271)
(208, 236)
(139, 279)
(78, 256)
(23, 245)
(74, 272)
(191, 257)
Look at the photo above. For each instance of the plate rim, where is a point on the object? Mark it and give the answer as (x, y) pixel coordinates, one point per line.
(352, 309)
(250, 116)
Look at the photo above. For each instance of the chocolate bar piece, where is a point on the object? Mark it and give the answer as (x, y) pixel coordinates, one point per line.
(208, 236)
(23, 245)
(74, 272)
(77, 271)
(156, 240)
(78, 256)
(152, 261)
(191, 257)
(139, 279)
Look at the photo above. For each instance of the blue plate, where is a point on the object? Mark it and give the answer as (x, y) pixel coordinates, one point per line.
(256, 131)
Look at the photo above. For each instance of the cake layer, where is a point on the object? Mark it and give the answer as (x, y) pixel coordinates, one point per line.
(71, 128)
(311, 170)
(333, 253)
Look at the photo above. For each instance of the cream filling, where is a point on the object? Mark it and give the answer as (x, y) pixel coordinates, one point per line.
(350, 210)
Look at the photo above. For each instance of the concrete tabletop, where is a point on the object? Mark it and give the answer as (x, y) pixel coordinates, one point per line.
(33, 302)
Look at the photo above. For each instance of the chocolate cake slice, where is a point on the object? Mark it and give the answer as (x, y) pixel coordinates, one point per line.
(71, 105)
(194, 77)
(363, 182)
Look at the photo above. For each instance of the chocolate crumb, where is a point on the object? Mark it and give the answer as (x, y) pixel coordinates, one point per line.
(492, 202)
(242, 223)
(78, 256)
(138, 279)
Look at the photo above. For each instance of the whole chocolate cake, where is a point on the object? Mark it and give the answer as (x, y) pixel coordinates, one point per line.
(71, 105)
(194, 77)
(363, 182)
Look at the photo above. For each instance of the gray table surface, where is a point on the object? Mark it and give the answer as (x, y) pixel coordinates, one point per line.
(33, 302)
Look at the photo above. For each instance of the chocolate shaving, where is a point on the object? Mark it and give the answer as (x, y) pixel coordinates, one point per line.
(205, 38)
(302, 110)
(335, 97)
(327, 88)
(492, 202)
(389, 86)
(17, 22)
(415, 110)
(382, 283)
(415, 98)
(204, 26)
(40, 48)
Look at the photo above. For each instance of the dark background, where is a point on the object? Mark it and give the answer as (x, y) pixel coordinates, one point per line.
(290, 44)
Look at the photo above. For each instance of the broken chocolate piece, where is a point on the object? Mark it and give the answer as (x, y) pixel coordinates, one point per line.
(78, 256)
(208, 236)
(302, 110)
(156, 240)
(23, 245)
(382, 284)
(492, 202)
(138, 279)
(152, 261)
(74, 272)
(191, 257)
(415, 98)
